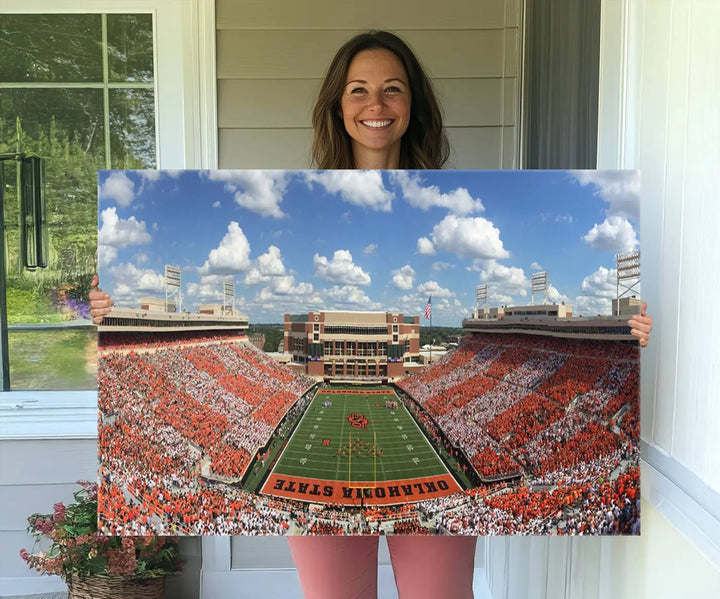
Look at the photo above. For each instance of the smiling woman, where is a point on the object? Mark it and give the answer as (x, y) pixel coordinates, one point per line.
(377, 109)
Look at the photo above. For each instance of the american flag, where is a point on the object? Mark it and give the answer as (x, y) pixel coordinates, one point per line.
(428, 308)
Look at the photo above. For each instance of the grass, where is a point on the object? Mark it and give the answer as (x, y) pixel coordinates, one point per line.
(406, 453)
(53, 360)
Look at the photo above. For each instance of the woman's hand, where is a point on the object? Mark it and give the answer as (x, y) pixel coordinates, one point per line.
(641, 325)
(100, 302)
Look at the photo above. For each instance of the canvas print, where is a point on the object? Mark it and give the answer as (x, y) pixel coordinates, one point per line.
(369, 352)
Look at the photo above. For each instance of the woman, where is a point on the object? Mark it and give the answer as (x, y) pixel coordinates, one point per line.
(377, 110)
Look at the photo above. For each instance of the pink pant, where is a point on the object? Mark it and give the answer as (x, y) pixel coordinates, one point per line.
(434, 567)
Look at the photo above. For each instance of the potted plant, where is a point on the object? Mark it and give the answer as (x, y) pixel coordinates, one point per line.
(93, 565)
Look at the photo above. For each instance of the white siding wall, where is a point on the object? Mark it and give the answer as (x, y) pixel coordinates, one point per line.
(271, 58)
(47, 443)
(660, 84)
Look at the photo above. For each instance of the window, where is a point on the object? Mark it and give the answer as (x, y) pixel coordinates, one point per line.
(81, 90)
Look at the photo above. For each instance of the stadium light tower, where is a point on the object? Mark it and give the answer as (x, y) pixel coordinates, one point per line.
(628, 275)
(173, 282)
(229, 297)
(539, 284)
(480, 294)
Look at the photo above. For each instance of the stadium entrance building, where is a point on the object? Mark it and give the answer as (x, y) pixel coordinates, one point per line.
(352, 344)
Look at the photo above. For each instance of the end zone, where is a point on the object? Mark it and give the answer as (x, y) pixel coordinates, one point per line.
(383, 493)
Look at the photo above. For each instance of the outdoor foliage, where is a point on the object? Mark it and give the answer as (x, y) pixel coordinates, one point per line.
(78, 550)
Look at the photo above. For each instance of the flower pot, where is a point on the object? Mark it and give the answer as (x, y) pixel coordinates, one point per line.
(116, 587)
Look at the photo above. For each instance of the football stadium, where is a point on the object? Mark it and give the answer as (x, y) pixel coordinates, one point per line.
(529, 426)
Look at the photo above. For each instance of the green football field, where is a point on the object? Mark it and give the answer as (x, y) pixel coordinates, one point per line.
(389, 447)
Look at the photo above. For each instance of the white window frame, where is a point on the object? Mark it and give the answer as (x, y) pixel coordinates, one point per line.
(670, 486)
(185, 97)
(184, 64)
(186, 137)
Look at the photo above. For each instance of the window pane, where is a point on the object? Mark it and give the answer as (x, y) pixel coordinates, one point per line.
(51, 118)
(130, 48)
(50, 48)
(66, 128)
(53, 359)
(132, 128)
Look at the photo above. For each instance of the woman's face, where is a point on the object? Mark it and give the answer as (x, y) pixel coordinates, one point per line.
(375, 106)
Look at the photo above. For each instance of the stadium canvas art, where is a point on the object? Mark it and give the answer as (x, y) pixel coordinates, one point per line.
(366, 352)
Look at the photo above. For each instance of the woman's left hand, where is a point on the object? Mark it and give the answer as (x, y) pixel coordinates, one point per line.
(641, 325)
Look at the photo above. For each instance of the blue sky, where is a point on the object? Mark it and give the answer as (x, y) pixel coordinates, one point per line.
(295, 241)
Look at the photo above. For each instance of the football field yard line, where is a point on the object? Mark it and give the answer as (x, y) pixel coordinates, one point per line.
(395, 464)
(427, 441)
(297, 429)
(382, 464)
(337, 460)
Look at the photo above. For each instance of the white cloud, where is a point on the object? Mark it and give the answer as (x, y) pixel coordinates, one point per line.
(361, 188)
(458, 201)
(370, 248)
(153, 175)
(216, 204)
(258, 191)
(118, 187)
(434, 289)
(132, 282)
(425, 246)
(340, 269)
(267, 265)
(141, 258)
(349, 296)
(564, 218)
(591, 306)
(508, 280)
(438, 266)
(231, 256)
(403, 278)
(536, 266)
(464, 236)
(119, 233)
(284, 291)
(555, 297)
(601, 283)
(150, 175)
(205, 292)
(620, 189)
(615, 233)
(106, 255)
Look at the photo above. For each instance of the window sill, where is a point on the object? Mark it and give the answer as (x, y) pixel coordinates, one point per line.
(48, 415)
(683, 498)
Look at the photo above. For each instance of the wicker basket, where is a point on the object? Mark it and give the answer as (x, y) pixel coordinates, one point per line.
(116, 587)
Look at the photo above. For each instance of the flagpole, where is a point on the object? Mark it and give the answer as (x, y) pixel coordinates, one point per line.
(431, 335)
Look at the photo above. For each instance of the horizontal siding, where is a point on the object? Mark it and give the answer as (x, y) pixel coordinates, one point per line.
(53, 461)
(11, 564)
(287, 103)
(34, 475)
(264, 148)
(471, 148)
(475, 148)
(370, 14)
(299, 54)
(271, 59)
(19, 501)
(271, 103)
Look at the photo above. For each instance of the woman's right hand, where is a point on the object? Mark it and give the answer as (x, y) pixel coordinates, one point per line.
(100, 302)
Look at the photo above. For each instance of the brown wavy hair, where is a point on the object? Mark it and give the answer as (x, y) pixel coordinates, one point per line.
(424, 145)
